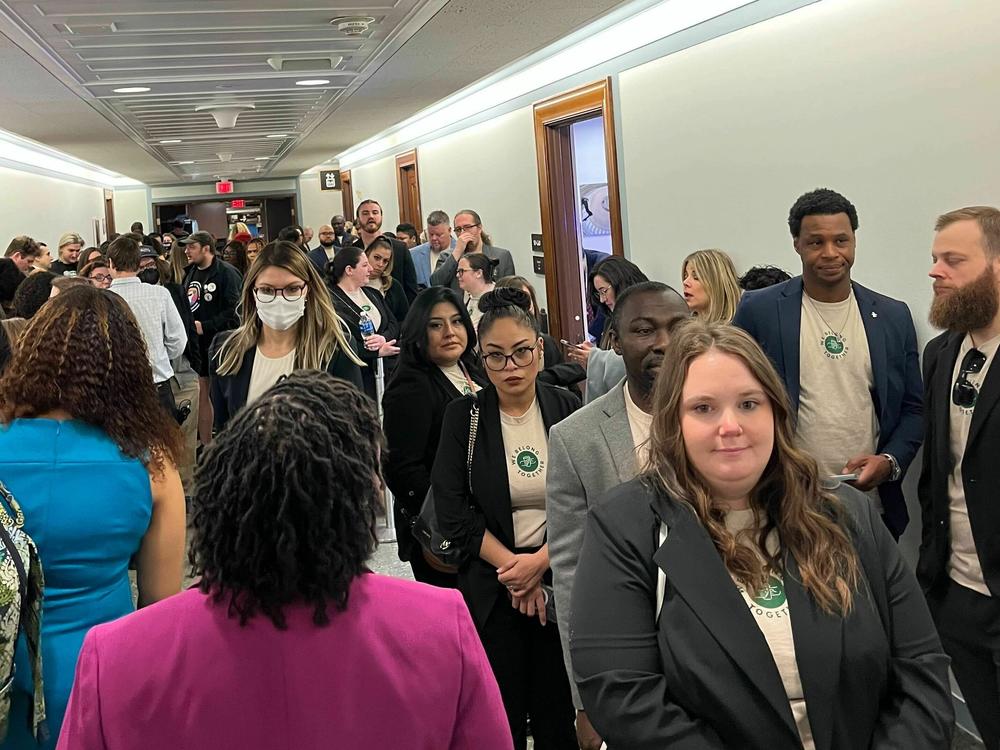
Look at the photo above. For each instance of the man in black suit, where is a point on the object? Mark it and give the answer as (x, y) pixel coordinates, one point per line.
(959, 566)
(370, 227)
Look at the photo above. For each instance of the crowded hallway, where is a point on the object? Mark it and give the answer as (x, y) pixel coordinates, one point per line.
(421, 380)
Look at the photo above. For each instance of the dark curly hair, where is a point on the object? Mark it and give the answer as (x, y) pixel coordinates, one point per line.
(820, 202)
(286, 500)
(10, 279)
(761, 277)
(84, 353)
(506, 302)
(31, 294)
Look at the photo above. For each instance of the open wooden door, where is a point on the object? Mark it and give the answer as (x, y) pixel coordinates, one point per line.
(565, 278)
(408, 189)
(347, 194)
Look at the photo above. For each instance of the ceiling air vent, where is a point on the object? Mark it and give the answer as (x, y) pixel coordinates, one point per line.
(353, 25)
(225, 113)
(87, 29)
(303, 64)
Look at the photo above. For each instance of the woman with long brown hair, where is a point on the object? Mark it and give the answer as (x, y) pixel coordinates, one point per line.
(726, 598)
(90, 456)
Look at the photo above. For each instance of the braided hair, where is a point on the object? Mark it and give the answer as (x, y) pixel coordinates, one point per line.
(286, 499)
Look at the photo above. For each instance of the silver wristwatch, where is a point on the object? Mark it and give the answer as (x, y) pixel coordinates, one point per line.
(896, 471)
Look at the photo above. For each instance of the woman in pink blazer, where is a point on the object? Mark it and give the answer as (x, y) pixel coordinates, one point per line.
(288, 641)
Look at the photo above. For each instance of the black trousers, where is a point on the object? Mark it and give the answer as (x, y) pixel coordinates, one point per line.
(528, 665)
(969, 626)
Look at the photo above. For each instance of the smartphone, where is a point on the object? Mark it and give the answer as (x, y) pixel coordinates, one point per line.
(564, 342)
(844, 477)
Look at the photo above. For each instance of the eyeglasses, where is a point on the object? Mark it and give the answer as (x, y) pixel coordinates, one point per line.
(462, 271)
(521, 357)
(100, 277)
(603, 293)
(265, 294)
(466, 228)
(964, 393)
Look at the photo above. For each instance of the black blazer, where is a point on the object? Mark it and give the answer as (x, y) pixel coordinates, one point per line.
(702, 675)
(465, 523)
(350, 314)
(395, 300)
(980, 468)
(413, 404)
(229, 392)
(557, 371)
(403, 269)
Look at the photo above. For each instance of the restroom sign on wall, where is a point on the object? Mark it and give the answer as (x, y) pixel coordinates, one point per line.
(329, 179)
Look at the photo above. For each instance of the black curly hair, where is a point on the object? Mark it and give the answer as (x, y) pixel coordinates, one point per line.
(761, 277)
(286, 499)
(31, 294)
(820, 202)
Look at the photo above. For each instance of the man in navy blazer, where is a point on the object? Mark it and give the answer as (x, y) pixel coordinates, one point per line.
(848, 357)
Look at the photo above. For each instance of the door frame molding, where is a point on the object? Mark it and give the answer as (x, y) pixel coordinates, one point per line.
(347, 195)
(556, 191)
(404, 160)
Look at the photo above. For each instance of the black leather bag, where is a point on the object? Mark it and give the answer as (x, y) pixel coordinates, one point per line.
(440, 551)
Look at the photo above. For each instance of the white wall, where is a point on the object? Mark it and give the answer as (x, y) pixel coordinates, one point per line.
(873, 98)
(46, 207)
(491, 169)
(132, 204)
(318, 206)
(378, 182)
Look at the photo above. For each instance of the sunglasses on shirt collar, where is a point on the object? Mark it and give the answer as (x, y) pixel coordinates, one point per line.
(964, 393)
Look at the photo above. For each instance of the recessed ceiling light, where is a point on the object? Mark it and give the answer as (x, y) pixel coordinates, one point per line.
(171, 140)
(132, 90)
(183, 162)
(278, 135)
(313, 82)
(262, 158)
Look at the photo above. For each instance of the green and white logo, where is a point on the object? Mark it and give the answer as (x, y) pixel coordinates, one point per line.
(834, 346)
(771, 596)
(527, 461)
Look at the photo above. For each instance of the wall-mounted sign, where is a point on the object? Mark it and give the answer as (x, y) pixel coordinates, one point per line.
(329, 179)
(536, 244)
(538, 262)
(238, 203)
(224, 186)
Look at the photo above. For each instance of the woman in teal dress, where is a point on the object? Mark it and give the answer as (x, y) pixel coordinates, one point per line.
(90, 456)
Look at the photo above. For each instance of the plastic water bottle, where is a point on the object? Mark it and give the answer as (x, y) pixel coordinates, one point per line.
(365, 325)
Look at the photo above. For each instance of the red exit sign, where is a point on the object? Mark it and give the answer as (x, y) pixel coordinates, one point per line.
(224, 186)
(238, 203)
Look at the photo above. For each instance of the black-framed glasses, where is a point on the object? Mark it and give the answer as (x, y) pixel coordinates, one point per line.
(265, 294)
(466, 228)
(521, 357)
(964, 393)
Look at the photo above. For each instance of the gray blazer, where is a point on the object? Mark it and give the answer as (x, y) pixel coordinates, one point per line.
(444, 274)
(590, 452)
(605, 370)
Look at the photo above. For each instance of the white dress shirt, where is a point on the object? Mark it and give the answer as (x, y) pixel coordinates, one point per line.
(159, 321)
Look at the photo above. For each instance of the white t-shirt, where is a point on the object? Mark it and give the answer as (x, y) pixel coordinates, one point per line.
(836, 419)
(964, 566)
(526, 448)
(769, 609)
(361, 300)
(266, 372)
(456, 376)
(639, 423)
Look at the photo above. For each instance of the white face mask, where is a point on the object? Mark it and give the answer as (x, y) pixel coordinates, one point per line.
(280, 314)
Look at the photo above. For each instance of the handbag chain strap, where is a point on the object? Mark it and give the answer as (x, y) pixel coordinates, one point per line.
(473, 429)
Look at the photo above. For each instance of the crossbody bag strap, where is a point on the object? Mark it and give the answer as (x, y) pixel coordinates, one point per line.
(473, 430)
(16, 519)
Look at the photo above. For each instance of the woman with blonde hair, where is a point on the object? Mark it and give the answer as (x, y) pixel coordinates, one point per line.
(240, 232)
(379, 254)
(288, 324)
(711, 286)
(727, 598)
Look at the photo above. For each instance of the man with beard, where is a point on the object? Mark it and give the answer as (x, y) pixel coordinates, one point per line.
(848, 357)
(959, 566)
(370, 227)
(328, 247)
(604, 444)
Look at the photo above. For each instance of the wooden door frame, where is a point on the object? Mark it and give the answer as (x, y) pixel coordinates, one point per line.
(409, 159)
(347, 195)
(557, 191)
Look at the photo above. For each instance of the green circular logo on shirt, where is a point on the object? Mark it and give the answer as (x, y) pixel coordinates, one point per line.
(771, 596)
(527, 462)
(834, 345)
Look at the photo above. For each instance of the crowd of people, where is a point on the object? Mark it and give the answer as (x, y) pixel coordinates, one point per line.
(680, 532)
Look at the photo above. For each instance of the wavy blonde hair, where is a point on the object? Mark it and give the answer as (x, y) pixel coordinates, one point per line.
(715, 270)
(320, 331)
(810, 521)
(386, 277)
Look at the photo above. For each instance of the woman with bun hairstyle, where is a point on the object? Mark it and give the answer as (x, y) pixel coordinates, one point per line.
(475, 278)
(499, 523)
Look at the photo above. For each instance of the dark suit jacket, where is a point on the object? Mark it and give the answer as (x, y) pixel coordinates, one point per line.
(773, 317)
(403, 269)
(229, 392)
(414, 403)
(980, 468)
(465, 523)
(350, 314)
(702, 676)
(318, 257)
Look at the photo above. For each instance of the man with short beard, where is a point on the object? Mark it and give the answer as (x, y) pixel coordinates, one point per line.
(328, 247)
(959, 566)
(370, 227)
